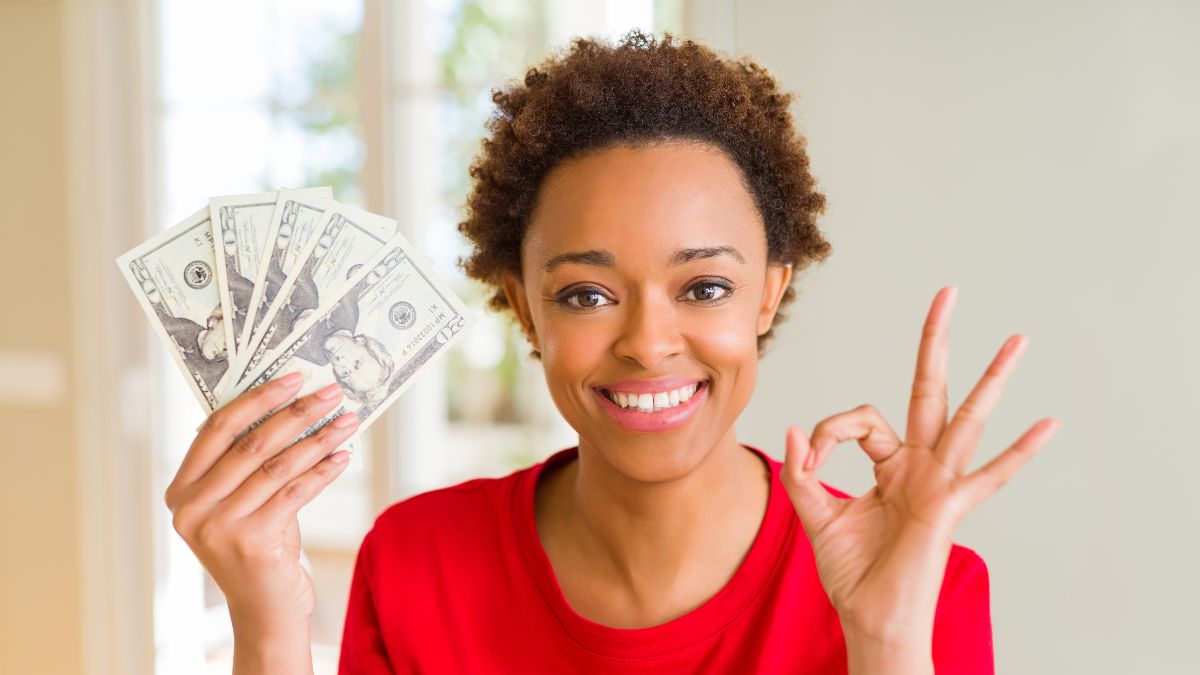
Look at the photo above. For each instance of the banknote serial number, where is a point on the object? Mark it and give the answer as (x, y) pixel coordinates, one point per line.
(419, 337)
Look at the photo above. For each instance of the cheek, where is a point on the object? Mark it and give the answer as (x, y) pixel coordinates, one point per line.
(727, 334)
(572, 348)
(727, 342)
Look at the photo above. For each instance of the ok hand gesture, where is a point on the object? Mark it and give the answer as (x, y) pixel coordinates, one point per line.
(881, 557)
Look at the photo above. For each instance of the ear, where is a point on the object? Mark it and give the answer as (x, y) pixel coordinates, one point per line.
(514, 292)
(779, 275)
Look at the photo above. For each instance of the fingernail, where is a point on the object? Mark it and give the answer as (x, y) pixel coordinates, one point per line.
(346, 420)
(339, 457)
(289, 380)
(329, 392)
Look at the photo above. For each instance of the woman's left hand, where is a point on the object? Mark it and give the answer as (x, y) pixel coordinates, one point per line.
(881, 557)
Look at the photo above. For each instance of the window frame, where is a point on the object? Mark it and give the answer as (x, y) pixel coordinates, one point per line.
(106, 49)
(114, 143)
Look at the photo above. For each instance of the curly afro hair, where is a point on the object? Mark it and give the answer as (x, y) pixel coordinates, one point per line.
(595, 95)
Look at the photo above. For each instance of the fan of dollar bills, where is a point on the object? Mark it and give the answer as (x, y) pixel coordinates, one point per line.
(253, 287)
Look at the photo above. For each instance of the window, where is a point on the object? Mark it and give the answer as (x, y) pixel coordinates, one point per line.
(385, 102)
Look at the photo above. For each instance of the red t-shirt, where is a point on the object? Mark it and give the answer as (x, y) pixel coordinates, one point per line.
(456, 581)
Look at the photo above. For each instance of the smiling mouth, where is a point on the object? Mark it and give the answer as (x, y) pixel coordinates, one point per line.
(654, 402)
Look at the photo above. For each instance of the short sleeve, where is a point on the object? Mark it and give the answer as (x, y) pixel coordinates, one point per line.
(363, 650)
(962, 633)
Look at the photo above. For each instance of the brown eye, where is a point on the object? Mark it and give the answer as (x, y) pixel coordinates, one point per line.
(583, 298)
(590, 299)
(708, 292)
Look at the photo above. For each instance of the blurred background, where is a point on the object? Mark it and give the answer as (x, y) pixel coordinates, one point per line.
(1040, 155)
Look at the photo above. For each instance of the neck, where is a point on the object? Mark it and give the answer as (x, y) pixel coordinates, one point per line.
(650, 538)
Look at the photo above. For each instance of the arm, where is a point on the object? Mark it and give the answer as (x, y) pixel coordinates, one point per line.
(867, 655)
(256, 654)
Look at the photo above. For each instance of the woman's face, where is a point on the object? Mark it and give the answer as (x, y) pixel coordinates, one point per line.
(646, 281)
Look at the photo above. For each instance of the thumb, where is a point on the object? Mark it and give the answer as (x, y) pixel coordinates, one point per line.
(813, 503)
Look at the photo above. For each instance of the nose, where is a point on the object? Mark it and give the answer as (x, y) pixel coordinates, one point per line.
(649, 333)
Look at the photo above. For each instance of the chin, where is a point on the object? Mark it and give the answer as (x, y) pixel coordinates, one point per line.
(654, 458)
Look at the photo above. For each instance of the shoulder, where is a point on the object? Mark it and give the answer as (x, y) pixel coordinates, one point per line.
(458, 505)
(962, 634)
(966, 578)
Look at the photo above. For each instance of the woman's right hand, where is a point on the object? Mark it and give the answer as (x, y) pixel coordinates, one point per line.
(235, 500)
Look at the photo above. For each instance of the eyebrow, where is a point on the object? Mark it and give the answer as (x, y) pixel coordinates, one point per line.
(602, 258)
(686, 255)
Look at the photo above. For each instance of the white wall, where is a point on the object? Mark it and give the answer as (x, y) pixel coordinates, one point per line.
(1042, 156)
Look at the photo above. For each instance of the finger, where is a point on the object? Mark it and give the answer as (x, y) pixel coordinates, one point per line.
(283, 505)
(224, 425)
(962, 435)
(986, 480)
(274, 473)
(815, 506)
(927, 406)
(864, 424)
(248, 453)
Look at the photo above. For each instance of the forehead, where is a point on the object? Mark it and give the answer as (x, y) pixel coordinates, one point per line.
(644, 202)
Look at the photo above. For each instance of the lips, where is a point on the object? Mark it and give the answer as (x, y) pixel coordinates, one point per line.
(653, 405)
(652, 386)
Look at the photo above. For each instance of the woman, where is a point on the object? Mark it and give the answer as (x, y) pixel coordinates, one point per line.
(640, 208)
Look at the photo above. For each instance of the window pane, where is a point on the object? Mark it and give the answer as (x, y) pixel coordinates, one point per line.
(255, 96)
(498, 414)
(261, 95)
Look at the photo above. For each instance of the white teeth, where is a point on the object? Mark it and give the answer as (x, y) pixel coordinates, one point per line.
(653, 402)
(645, 403)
